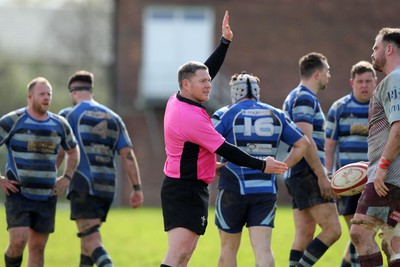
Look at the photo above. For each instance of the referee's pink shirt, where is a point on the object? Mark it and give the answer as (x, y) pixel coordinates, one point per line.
(186, 121)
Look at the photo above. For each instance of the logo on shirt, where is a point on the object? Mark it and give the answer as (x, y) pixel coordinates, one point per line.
(41, 146)
(203, 220)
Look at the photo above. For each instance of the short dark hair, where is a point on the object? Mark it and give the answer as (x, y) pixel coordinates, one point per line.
(390, 35)
(37, 80)
(187, 70)
(82, 76)
(310, 63)
(362, 67)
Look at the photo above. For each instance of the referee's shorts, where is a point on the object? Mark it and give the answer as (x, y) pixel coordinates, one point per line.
(185, 204)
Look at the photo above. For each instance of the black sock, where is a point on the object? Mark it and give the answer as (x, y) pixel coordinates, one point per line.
(314, 251)
(295, 256)
(164, 265)
(101, 258)
(353, 255)
(345, 263)
(86, 261)
(12, 261)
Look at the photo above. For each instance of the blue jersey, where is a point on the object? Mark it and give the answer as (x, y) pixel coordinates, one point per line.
(302, 105)
(100, 133)
(256, 128)
(32, 147)
(347, 123)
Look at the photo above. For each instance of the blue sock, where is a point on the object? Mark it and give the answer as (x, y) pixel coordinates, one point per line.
(86, 261)
(101, 258)
(295, 256)
(314, 251)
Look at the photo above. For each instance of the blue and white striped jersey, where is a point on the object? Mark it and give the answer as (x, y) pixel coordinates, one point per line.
(347, 123)
(302, 105)
(32, 147)
(257, 128)
(100, 133)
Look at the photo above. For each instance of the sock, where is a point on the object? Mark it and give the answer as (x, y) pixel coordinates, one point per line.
(345, 263)
(295, 256)
(395, 263)
(12, 261)
(86, 261)
(101, 258)
(164, 265)
(314, 251)
(371, 260)
(353, 256)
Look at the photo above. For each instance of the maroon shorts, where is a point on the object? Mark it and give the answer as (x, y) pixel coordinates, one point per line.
(385, 208)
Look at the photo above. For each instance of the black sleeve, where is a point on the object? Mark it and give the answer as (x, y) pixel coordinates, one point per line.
(214, 62)
(239, 157)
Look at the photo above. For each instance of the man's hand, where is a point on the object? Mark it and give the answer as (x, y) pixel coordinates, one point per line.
(8, 186)
(274, 166)
(61, 186)
(226, 29)
(136, 199)
(379, 182)
(219, 166)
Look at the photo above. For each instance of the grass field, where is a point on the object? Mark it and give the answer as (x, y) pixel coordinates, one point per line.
(136, 238)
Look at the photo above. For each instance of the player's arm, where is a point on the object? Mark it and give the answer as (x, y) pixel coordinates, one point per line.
(330, 147)
(312, 158)
(391, 152)
(297, 151)
(71, 163)
(131, 167)
(60, 157)
(241, 158)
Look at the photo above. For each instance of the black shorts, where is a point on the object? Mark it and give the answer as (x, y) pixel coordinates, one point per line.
(85, 206)
(37, 215)
(385, 208)
(304, 189)
(185, 204)
(347, 205)
(233, 211)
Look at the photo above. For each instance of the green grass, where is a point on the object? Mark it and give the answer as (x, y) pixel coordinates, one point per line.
(136, 238)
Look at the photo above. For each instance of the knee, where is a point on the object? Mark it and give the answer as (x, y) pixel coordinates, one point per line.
(16, 245)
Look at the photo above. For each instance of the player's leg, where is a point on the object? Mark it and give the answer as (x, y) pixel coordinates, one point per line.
(181, 243)
(18, 238)
(42, 224)
(36, 245)
(230, 217)
(229, 247)
(326, 216)
(260, 237)
(89, 212)
(347, 206)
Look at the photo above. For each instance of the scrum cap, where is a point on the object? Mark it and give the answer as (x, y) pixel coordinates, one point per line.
(245, 85)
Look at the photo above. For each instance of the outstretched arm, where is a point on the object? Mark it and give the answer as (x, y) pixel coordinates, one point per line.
(214, 62)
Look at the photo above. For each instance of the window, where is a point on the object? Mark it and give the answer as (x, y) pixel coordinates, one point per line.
(172, 35)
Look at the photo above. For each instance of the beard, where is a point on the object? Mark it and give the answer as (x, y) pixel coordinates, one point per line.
(378, 64)
(40, 108)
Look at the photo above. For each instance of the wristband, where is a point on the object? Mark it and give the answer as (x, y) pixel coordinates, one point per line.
(68, 177)
(137, 187)
(383, 166)
(385, 161)
(225, 41)
(264, 166)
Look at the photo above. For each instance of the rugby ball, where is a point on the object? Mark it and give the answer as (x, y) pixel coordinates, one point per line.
(350, 179)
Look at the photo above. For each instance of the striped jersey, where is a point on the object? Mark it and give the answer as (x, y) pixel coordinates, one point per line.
(302, 105)
(347, 123)
(256, 128)
(32, 147)
(100, 133)
(384, 110)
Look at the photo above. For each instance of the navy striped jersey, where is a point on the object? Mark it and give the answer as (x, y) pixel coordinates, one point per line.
(302, 105)
(347, 123)
(100, 133)
(32, 147)
(257, 128)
